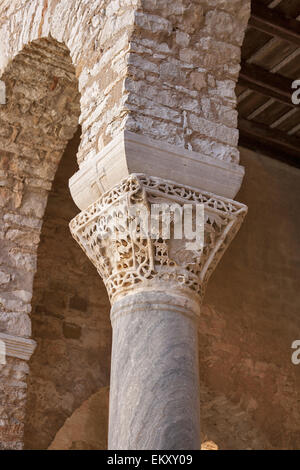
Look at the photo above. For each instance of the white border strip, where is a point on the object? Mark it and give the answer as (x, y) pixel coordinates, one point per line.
(16, 346)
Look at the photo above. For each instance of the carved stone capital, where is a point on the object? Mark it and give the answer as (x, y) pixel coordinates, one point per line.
(130, 261)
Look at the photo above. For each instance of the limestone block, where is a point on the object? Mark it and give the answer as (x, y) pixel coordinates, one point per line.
(132, 153)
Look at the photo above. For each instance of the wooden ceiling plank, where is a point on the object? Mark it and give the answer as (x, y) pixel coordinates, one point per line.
(261, 109)
(286, 61)
(270, 150)
(243, 95)
(294, 130)
(274, 4)
(284, 117)
(260, 132)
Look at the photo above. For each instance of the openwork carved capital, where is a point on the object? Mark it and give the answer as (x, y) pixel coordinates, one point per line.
(130, 257)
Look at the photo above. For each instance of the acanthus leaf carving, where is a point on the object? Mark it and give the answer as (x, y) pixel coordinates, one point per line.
(127, 259)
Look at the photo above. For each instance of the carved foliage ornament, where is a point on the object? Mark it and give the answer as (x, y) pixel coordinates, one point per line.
(129, 257)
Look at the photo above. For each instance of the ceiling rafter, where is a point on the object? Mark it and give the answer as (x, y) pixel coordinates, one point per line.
(275, 143)
(268, 139)
(271, 22)
(267, 83)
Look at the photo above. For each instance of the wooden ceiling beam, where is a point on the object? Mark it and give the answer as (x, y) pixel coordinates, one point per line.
(269, 84)
(271, 22)
(275, 143)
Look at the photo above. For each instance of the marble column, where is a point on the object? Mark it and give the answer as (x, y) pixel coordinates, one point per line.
(154, 395)
(156, 285)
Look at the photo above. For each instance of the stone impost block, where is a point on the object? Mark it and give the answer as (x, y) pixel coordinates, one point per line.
(133, 153)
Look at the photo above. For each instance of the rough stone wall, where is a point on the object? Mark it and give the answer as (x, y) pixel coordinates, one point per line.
(173, 72)
(183, 65)
(163, 68)
(13, 392)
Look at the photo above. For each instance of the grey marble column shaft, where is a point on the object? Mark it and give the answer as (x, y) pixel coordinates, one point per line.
(154, 394)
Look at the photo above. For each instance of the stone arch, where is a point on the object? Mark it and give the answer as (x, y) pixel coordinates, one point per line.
(97, 35)
(38, 119)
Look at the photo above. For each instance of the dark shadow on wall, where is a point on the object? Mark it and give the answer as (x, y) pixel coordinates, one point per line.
(251, 317)
(70, 319)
